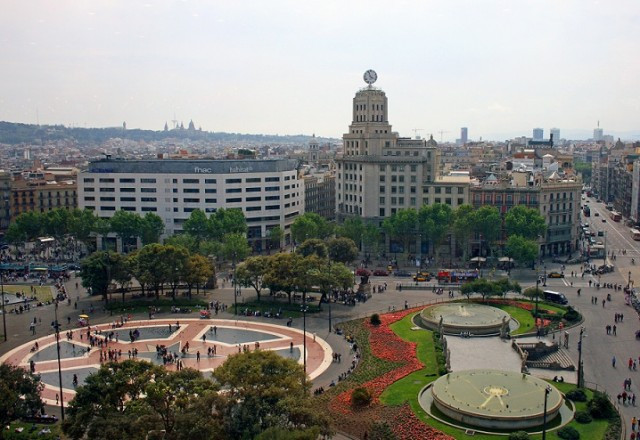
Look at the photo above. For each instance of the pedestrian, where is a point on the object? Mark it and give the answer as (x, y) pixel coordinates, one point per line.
(57, 399)
(614, 330)
(198, 356)
(613, 362)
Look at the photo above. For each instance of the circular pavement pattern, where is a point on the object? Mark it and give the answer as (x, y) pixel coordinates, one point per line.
(460, 317)
(495, 399)
(227, 336)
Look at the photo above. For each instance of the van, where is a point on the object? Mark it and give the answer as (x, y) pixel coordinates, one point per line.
(556, 297)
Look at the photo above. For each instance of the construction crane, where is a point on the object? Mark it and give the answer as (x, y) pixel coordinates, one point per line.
(441, 133)
(415, 132)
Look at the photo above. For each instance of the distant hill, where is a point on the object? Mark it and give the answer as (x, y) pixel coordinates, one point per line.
(16, 133)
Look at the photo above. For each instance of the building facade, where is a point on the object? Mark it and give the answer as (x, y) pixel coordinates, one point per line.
(320, 194)
(268, 192)
(41, 196)
(380, 172)
(5, 201)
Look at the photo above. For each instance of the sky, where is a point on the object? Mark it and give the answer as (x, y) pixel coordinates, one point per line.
(499, 67)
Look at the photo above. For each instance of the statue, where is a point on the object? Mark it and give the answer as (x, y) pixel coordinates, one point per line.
(504, 329)
(448, 360)
(523, 367)
(440, 326)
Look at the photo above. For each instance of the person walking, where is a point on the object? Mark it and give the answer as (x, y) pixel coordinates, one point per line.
(613, 362)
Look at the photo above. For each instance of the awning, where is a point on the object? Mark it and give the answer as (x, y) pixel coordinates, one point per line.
(505, 260)
(478, 259)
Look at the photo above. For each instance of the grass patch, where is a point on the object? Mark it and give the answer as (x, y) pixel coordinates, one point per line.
(269, 305)
(29, 432)
(524, 317)
(142, 305)
(43, 293)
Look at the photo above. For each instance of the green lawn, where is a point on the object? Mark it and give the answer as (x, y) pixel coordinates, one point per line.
(524, 317)
(407, 388)
(10, 434)
(44, 293)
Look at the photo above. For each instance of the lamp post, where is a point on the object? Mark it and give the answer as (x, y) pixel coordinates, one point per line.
(628, 284)
(57, 329)
(235, 286)
(304, 309)
(537, 290)
(580, 372)
(544, 280)
(547, 390)
(4, 315)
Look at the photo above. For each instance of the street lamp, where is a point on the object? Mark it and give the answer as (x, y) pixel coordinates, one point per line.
(4, 315)
(544, 280)
(628, 285)
(304, 310)
(537, 290)
(547, 390)
(57, 328)
(580, 372)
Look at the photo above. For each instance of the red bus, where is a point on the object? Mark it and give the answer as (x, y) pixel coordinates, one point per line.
(616, 216)
(456, 276)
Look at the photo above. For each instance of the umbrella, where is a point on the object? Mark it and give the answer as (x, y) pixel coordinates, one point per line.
(478, 259)
(505, 260)
(83, 316)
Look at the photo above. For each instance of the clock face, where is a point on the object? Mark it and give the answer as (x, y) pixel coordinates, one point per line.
(370, 76)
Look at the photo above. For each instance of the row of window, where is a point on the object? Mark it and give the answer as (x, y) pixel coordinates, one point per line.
(176, 200)
(187, 181)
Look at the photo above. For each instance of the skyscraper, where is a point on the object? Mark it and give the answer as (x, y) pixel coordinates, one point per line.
(464, 135)
(538, 134)
(556, 135)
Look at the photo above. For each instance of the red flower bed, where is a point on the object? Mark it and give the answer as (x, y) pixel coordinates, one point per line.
(386, 345)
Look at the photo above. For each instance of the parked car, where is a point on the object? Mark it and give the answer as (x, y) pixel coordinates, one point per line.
(604, 220)
(597, 214)
(555, 275)
(362, 272)
(380, 273)
(600, 233)
(420, 278)
(402, 273)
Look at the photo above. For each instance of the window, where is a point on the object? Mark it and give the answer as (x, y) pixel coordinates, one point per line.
(190, 180)
(272, 179)
(382, 188)
(89, 199)
(382, 200)
(107, 208)
(400, 200)
(127, 180)
(107, 190)
(413, 179)
(394, 178)
(234, 190)
(401, 179)
(437, 200)
(189, 200)
(209, 181)
(271, 188)
(210, 190)
(186, 190)
(270, 198)
(107, 199)
(89, 190)
(233, 181)
(272, 207)
(107, 180)
(150, 190)
(460, 190)
(234, 200)
(382, 178)
(394, 200)
(253, 189)
(381, 212)
(460, 202)
(401, 189)
(256, 179)
(412, 201)
(128, 208)
(88, 180)
(127, 190)
(438, 190)
(253, 199)
(127, 199)
(447, 190)
(148, 199)
(254, 208)
(210, 200)
(383, 168)
(148, 180)
(447, 200)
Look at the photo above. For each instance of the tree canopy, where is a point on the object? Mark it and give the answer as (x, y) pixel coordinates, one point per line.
(310, 225)
(20, 391)
(524, 221)
(402, 226)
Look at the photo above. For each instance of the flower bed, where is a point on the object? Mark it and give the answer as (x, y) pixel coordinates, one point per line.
(385, 345)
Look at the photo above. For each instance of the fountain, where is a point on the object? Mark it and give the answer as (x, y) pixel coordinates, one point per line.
(457, 318)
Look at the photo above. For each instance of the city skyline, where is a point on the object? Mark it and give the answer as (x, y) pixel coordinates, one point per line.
(498, 68)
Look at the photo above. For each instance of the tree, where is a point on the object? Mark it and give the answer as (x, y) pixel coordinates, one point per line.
(227, 221)
(313, 246)
(121, 271)
(482, 286)
(533, 293)
(126, 225)
(81, 224)
(56, 223)
(335, 276)
(275, 236)
(264, 390)
(402, 226)
(197, 226)
(526, 222)
(463, 228)
(488, 223)
(435, 221)
(280, 275)
(153, 267)
(505, 286)
(342, 249)
(97, 271)
(522, 250)
(584, 168)
(20, 391)
(102, 227)
(29, 225)
(353, 228)
(183, 240)
(197, 271)
(371, 237)
(251, 273)
(151, 228)
(310, 225)
(178, 258)
(235, 247)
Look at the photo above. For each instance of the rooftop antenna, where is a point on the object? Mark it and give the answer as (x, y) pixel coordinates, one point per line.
(441, 133)
(415, 132)
(174, 120)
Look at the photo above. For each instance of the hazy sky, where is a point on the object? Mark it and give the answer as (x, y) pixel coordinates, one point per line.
(500, 67)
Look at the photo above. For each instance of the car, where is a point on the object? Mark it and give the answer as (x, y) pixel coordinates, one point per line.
(420, 278)
(600, 233)
(402, 273)
(555, 275)
(604, 220)
(597, 214)
(362, 272)
(380, 273)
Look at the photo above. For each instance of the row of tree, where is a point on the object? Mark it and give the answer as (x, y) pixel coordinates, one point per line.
(486, 288)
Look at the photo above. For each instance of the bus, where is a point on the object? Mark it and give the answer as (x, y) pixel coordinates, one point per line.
(456, 276)
(616, 216)
(635, 234)
(555, 297)
(586, 211)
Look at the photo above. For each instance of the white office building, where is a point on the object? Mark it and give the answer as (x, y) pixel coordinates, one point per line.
(269, 192)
